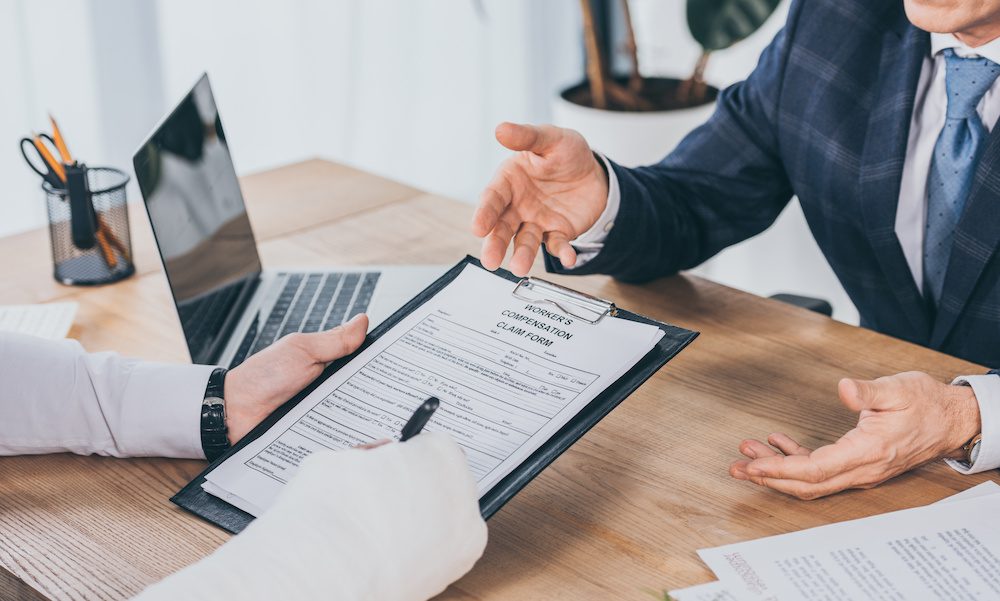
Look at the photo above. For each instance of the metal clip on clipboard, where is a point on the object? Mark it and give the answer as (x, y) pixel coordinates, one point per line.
(576, 304)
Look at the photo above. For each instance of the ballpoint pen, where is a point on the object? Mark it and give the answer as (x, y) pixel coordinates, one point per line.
(419, 419)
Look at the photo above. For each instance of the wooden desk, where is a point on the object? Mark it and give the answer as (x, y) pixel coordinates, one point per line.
(619, 515)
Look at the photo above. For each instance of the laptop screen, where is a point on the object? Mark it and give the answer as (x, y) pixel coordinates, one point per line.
(196, 208)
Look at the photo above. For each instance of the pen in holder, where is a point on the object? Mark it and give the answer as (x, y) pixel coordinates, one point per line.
(88, 226)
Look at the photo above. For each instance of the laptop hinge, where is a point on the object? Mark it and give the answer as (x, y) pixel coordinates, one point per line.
(249, 288)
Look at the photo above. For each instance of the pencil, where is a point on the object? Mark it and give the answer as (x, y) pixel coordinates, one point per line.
(50, 160)
(106, 250)
(57, 137)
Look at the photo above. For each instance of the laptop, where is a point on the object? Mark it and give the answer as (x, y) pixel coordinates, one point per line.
(229, 306)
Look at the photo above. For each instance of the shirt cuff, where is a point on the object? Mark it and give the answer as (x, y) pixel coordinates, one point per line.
(987, 390)
(162, 410)
(590, 243)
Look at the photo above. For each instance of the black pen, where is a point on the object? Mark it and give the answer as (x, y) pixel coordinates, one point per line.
(420, 418)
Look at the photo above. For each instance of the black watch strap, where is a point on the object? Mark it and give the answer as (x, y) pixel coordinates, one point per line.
(214, 434)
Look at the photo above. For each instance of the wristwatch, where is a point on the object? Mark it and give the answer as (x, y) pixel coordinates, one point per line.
(214, 434)
(971, 449)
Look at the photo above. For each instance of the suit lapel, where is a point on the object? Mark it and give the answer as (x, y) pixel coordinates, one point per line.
(976, 238)
(903, 51)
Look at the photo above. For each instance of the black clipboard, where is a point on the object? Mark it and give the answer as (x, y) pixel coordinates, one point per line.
(194, 499)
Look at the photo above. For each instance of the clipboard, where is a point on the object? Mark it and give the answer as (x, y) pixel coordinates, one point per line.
(194, 499)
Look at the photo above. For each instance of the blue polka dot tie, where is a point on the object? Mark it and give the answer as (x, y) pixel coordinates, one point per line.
(956, 155)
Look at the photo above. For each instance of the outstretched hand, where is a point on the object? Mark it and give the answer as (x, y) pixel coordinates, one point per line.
(551, 191)
(905, 421)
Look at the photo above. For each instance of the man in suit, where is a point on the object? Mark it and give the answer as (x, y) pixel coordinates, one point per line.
(877, 115)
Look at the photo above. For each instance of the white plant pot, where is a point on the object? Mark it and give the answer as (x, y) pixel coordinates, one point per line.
(630, 138)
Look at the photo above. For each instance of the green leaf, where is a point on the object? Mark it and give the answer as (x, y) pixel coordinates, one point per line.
(718, 24)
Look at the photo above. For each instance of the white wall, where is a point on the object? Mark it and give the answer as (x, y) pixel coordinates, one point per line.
(406, 88)
(36, 79)
(410, 89)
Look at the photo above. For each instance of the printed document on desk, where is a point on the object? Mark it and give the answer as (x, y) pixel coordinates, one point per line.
(51, 320)
(948, 550)
(721, 591)
(509, 374)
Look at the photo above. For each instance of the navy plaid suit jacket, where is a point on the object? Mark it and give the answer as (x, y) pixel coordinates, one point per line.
(824, 116)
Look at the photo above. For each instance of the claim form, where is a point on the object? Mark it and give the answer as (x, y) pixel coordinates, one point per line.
(509, 373)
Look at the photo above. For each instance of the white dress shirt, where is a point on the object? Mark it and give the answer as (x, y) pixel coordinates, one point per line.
(56, 398)
(928, 119)
(400, 522)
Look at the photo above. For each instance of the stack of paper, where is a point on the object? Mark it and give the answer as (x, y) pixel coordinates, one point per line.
(52, 320)
(948, 550)
(509, 374)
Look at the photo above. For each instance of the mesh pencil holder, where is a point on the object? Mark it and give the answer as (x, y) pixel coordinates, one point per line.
(88, 227)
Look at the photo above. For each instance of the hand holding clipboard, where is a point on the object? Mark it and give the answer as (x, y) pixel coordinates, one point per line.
(514, 392)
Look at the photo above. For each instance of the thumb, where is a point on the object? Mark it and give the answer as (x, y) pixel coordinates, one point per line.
(538, 139)
(861, 395)
(340, 341)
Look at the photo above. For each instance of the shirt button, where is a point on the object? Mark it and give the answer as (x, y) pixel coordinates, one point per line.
(608, 226)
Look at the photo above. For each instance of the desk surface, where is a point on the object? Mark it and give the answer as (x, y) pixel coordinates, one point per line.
(621, 514)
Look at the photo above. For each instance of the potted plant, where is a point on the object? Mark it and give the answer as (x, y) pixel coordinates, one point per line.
(635, 119)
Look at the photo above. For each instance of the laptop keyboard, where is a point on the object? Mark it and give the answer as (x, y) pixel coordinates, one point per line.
(310, 303)
(202, 318)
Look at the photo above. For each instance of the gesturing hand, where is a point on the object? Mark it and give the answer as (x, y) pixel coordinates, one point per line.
(551, 191)
(269, 378)
(906, 421)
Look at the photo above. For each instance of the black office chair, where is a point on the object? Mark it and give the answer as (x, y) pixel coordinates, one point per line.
(816, 305)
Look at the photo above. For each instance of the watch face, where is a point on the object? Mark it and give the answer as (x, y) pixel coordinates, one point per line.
(974, 453)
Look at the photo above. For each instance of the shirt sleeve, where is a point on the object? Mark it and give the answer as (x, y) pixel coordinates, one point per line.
(398, 522)
(590, 243)
(58, 398)
(987, 390)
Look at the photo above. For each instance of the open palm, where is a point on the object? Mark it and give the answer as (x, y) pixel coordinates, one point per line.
(551, 191)
(905, 421)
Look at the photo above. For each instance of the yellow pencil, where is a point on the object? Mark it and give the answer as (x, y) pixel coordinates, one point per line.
(49, 159)
(57, 137)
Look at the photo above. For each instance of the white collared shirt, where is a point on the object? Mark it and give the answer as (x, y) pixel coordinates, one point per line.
(339, 530)
(56, 398)
(929, 111)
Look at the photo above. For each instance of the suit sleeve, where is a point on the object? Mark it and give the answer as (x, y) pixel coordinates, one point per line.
(723, 184)
(58, 398)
